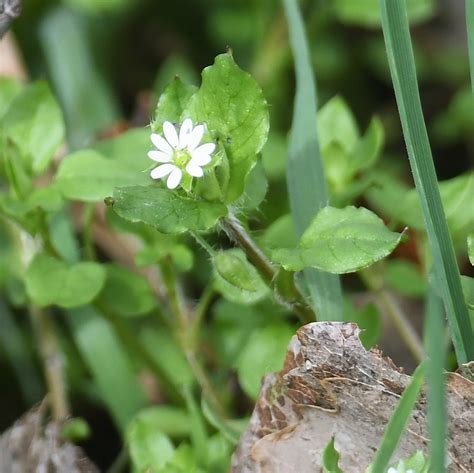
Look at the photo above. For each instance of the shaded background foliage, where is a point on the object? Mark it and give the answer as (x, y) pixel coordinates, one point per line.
(121, 53)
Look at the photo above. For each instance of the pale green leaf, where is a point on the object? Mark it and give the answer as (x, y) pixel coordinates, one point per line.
(89, 177)
(50, 281)
(330, 458)
(167, 211)
(404, 277)
(470, 248)
(172, 421)
(9, 88)
(340, 241)
(236, 279)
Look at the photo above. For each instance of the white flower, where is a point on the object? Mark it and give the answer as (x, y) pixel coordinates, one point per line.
(180, 153)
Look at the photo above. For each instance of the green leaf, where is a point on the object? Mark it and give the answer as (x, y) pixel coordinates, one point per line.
(50, 281)
(150, 449)
(9, 88)
(330, 458)
(398, 421)
(417, 463)
(402, 67)
(369, 146)
(172, 103)
(256, 186)
(126, 293)
(236, 279)
(172, 421)
(76, 430)
(232, 105)
(340, 241)
(404, 277)
(34, 123)
(274, 156)
(367, 12)
(167, 211)
(264, 353)
(305, 174)
(468, 290)
(280, 234)
(470, 247)
(89, 177)
(224, 426)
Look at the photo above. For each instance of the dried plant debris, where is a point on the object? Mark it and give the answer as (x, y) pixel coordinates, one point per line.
(331, 386)
(29, 446)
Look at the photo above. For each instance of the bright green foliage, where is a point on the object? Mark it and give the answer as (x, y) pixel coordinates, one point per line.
(236, 279)
(172, 103)
(33, 121)
(468, 290)
(367, 12)
(172, 421)
(89, 177)
(330, 459)
(50, 281)
(126, 293)
(345, 153)
(264, 353)
(8, 89)
(417, 463)
(340, 241)
(76, 430)
(167, 211)
(150, 449)
(99, 6)
(470, 247)
(232, 105)
(404, 277)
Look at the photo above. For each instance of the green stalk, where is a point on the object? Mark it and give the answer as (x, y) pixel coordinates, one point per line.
(398, 421)
(305, 174)
(435, 343)
(402, 67)
(470, 37)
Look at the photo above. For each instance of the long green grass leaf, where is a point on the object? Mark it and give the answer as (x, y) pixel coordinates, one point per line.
(398, 421)
(434, 334)
(305, 174)
(402, 67)
(470, 37)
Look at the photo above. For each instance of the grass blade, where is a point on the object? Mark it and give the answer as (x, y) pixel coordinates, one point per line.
(434, 332)
(398, 421)
(402, 68)
(470, 37)
(305, 175)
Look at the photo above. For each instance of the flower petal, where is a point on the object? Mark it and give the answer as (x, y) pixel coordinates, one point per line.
(206, 148)
(162, 171)
(170, 134)
(159, 156)
(200, 159)
(194, 170)
(161, 143)
(185, 130)
(174, 179)
(195, 137)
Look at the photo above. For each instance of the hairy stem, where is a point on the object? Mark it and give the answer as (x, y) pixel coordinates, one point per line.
(293, 299)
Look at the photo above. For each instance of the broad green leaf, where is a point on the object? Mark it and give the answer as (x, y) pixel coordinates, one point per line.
(75, 430)
(172, 421)
(184, 460)
(225, 427)
(330, 459)
(367, 12)
(129, 149)
(50, 281)
(417, 463)
(150, 449)
(340, 241)
(89, 177)
(274, 156)
(181, 255)
(167, 211)
(468, 290)
(232, 105)
(172, 102)
(34, 123)
(175, 65)
(368, 320)
(264, 353)
(106, 358)
(404, 277)
(236, 279)
(9, 88)
(256, 186)
(369, 146)
(219, 452)
(470, 247)
(126, 293)
(280, 234)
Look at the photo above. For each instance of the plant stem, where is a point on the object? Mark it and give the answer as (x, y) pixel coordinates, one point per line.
(52, 362)
(296, 302)
(401, 323)
(183, 335)
(200, 311)
(470, 37)
(88, 218)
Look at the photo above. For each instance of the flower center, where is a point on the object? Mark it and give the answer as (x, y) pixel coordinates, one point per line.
(181, 158)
